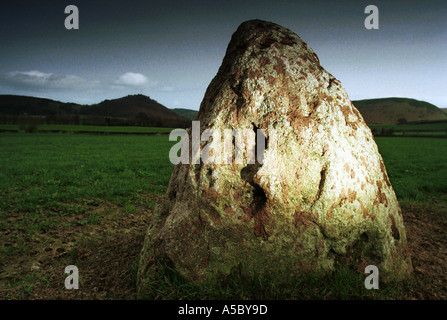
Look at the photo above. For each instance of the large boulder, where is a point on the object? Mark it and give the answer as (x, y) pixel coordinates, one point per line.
(321, 196)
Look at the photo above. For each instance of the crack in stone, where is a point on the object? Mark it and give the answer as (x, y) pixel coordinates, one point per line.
(257, 209)
(322, 182)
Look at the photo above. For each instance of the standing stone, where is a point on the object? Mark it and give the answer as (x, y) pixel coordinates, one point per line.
(321, 198)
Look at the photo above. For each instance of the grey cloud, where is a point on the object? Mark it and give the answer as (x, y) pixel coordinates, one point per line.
(38, 81)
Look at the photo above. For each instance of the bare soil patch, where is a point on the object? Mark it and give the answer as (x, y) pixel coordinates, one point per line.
(107, 252)
(427, 242)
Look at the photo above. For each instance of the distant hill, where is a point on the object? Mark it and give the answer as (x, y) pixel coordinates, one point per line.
(187, 113)
(444, 109)
(138, 107)
(140, 110)
(20, 105)
(129, 110)
(390, 110)
(386, 110)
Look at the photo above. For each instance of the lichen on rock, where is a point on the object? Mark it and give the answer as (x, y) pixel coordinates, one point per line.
(321, 196)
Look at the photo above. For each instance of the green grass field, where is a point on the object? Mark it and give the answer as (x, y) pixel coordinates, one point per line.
(46, 170)
(62, 173)
(48, 178)
(417, 167)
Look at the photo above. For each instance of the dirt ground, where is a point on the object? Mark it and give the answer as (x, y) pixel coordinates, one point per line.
(427, 242)
(106, 255)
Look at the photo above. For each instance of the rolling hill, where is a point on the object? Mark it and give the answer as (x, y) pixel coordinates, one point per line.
(380, 111)
(390, 110)
(20, 105)
(129, 110)
(141, 110)
(139, 107)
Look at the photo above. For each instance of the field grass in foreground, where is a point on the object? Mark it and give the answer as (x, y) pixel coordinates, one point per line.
(51, 170)
(417, 168)
(60, 172)
(84, 196)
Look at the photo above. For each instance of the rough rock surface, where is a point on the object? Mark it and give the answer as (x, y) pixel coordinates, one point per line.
(322, 196)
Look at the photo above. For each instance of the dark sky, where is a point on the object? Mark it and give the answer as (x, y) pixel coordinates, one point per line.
(170, 50)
